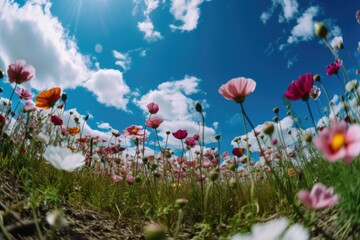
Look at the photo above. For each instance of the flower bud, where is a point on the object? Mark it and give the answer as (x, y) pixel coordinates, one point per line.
(276, 110)
(320, 29)
(308, 137)
(232, 182)
(1, 74)
(64, 97)
(154, 231)
(214, 175)
(181, 203)
(167, 132)
(276, 119)
(87, 117)
(268, 128)
(198, 107)
(217, 137)
(317, 78)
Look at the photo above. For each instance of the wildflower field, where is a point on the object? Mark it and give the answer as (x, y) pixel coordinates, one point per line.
(57, 182)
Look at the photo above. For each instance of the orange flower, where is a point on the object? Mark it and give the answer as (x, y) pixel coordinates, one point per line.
(47, 99)
(291, 172)
(73, 131)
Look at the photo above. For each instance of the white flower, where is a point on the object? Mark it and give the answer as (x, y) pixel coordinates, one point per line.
(56, 219)
(337, 43)
(276, 229)
(352, 85)
(63, 158)
(43, 138)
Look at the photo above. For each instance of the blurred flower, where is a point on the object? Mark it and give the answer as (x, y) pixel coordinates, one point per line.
(56, 219)
(319, 197)
(29, 106)
(47, 99)
(2, 121)
(276, 229)
(73, 130)
(315, 92)
(337, 43)
(357, 16)
(301, 88)
(19, 72)
(63, 158)
(116, 178)
(153, 108)
(43, 138)
(190, 142)
(333, 68)
(180, 134)
(130, 179)
(56, 120)
(339, 141)
(351, 85)
(291, 171)
(320, 30)
(154, 122)
(237, 89)
(239, 152)
(23, 94)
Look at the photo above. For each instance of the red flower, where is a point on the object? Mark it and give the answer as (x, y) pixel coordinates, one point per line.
(153, 108)
(56, 120)
(190, 142)
(180, 134)
(333, 68)
(301, 88)
(19, 72)
(238, 152)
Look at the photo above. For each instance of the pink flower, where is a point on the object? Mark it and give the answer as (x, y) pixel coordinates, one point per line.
(153, 108)
(180, 134)
(190, 142)
(29, 106)
(319, 197)
(154, 122)
(23, 94)
(301, 88)
(116, 178)
(237, 89)
(130, 179)
(135, 132)
(333, 68)
(339, 141)
(56, 120)
(19, 72)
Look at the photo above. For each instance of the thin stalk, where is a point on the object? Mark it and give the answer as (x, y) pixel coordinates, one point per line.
(311, 115)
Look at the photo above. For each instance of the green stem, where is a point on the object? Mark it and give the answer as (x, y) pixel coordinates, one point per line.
(311, 115)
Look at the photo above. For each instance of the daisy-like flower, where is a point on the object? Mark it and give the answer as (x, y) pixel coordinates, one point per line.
(73, 130)
(47, 99)
(333, 68)
(301, 88)
(277, 229)
(24, 94)
(315, 92)
(352, 85)
(337, 43)
(135, 132)
(56, 219)
(63, 158)
(237, 89)
(339, 141)
(20, 72)
(319, 197)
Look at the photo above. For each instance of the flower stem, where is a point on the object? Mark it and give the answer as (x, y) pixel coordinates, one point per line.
(311, 115)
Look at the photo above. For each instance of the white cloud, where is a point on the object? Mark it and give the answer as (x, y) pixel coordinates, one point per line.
(147, 27)
(216, 125)
(122, 60)
(151, 5)
(109, 87)
(104, 126)
(289, 10)
(31, 33)
(177, 108)
(187, 12)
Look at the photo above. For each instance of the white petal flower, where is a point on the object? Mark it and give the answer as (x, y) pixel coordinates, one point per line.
(43, 138)
(351, 85)
(56, 219)
(63, 158)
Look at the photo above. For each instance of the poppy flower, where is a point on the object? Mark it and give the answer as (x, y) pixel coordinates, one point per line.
(239, 152)
(19, 72)
(333, 68)
(237, 89)
(47, 99)
(301, 88)
(180, 134)
(73, 131)
(153, 108)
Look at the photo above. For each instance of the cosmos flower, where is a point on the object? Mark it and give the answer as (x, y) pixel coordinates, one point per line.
(190, 142)
(319, 197)
(47, 99)
(180, 134)
(23, 94)
(351, 85)
(237, 89)
(153, 108)
(337, 43)
(154, 122)
(339, 141)
(19, 72)
(73, 130)
(315, 92)
(56, 120)
(135, 132)
(63, 158)
(333, 68)
(301, 88)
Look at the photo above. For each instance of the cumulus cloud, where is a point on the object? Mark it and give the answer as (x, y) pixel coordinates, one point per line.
(147, 27)
(30, 32)
(289, 10)
(104, 126)
(177, 108)
(109, 87)
(187, 12)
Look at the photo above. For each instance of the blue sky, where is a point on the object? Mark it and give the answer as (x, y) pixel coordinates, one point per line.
(113, 57)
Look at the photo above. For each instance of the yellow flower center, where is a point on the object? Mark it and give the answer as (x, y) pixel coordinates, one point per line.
(338, 141)
(134, 131)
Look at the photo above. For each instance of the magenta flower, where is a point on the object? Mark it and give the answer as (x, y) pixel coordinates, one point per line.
(56, 120)
(339, 141)
(319, 197)
(180, 134)
(301, 88)
(23, 94)
(333, 68)
(154, 122)
(237, 89)
(153, 108)
(19, 72)
(190, 142)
